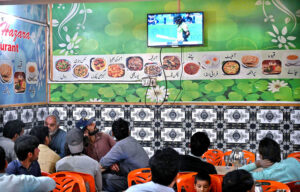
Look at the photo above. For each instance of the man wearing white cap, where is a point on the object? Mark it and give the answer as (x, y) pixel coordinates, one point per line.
(77, 161)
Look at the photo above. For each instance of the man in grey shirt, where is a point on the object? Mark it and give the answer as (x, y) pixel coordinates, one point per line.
(77, 161)
(11, 131)
(126, 155)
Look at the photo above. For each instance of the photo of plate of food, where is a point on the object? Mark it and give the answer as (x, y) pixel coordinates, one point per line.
(231, 67)
(6, 72)
(271, 67)
(31, 73)
(116, 70)
(171, 63)
(292, 60)
(134, 63)
(250, 61)
(152, 69)
(81, 71)
(63, 65)
(97, 64)
(210, 61)
(191, 68)
(19, 82)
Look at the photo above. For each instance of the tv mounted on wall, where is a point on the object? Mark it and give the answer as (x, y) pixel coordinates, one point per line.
(175, 29)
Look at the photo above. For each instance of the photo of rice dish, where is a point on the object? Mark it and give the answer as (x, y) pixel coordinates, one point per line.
(293, 60)
(98, 64)
(134, 63)
(116, 70)
(63, 65)
(191, 68)
(210, 61)
(6, 72)
(231, 67)
(80, 71)
(171, 63)
(250, 61)
(152, 69)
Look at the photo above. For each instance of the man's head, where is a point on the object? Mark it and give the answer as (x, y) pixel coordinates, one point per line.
(3, 162)
(178, 19)
(74, 140)
(202, 182)
(120, 129)
(88, 126)
(199, 143)
(26, 146)
(13, 129)
(269, 149)
(164, 166)
(52, 122)
(42, 133)
(238, 181)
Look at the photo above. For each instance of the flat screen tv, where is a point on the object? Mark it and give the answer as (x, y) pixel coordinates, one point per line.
(175, 29)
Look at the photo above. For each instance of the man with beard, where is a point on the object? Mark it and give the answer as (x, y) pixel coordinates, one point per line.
(97, 143)
(58, 136)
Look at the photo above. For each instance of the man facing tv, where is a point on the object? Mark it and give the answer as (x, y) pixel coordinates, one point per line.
(182, 29)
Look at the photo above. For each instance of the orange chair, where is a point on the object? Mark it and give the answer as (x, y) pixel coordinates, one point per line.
(138, 176)
(294, 186)
(271, 186)
(249, 156)
(87, 179)
(186, 182)
(295, 155)
(214, 156)
(68, 182)
(44, 173)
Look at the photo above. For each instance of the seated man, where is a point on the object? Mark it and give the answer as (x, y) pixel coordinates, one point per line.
(202, 182)
(47, 157)
(127, 152)
(77, 161)
(26, 148)
(26, 183)
(98, 143)
(11, 131)
(283, 171)
(58, 136)
(199, 145)
(238, 181)
(164, 168)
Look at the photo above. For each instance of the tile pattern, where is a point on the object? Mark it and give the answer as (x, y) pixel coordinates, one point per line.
(157, 127)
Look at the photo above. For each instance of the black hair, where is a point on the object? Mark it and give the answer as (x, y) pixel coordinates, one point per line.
(199, 143)
(2, 159)
(164, 166)
(120, 129)
(237, 181)
(202, 176)
(41, 132)
(269, 149)
(25, 144)
(11, 128)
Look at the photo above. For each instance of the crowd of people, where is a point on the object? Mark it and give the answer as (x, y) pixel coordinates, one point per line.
(88, 150)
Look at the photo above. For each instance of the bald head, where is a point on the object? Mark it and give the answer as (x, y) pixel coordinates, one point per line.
(52, 122)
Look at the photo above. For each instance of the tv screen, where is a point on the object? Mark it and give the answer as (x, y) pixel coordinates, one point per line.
(175, 29)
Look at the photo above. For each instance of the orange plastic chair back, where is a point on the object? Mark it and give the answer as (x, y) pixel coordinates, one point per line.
(249, 156)
(294, 186)
(295, 155)
(68, 182)
(186, 182)
(44, 173)
(271, 186)
(87, 179)
(138, 176)
(214, 156)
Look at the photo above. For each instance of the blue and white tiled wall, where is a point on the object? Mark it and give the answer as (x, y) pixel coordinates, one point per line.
(156, 127)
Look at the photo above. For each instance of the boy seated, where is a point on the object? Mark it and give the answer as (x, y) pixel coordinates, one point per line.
(202, 182)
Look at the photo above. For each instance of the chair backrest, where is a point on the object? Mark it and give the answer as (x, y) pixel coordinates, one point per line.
(87, 179)
(186, 182)
(214, 156)
(295, 155)
(68, 182)
(138, 176)
(249, 156)
(44, 173)
(294, 186)
(271, 186)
